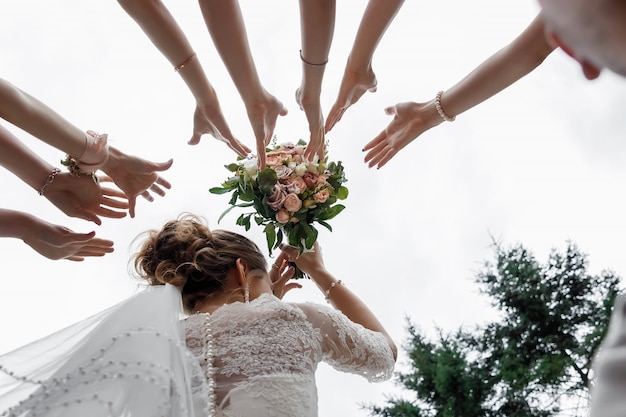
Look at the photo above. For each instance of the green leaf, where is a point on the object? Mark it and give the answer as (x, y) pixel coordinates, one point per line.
(266, 180)
(232, 207)
(342, 193)
(279, 238)
(233, 198)
(219, 190)
(232, 167)
(311, 235)
(270, 236)
(326, 225)
(331, 212)
(246, 193)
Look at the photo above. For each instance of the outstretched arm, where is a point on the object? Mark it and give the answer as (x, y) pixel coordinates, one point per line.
(51, 241)
(165, 33)
(498, 72)
(34, 117)
(317, 22)
(358, 76)
(339, 296)
(77, 197)
(225, 23)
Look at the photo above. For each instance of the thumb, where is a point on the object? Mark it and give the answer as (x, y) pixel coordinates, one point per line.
(131, 206)
(161, 166)
(195, 139)
(390, 110)
(83, 237)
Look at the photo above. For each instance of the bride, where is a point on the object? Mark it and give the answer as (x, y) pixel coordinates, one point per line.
(239, 350)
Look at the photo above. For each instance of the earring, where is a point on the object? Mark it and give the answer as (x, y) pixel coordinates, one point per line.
(246, 294)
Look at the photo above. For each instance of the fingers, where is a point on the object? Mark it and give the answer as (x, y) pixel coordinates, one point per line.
(88, 215)
(111, 214)
(110, 192)
(146, 194)
(163, 182)
(239, 148)
(74, 258)
(114, 202)
(334, 116)
(261, 161)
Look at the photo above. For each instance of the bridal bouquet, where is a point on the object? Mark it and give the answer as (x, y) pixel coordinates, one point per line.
(288, 196)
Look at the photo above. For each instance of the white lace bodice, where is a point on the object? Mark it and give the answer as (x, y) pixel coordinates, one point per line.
(265, 354)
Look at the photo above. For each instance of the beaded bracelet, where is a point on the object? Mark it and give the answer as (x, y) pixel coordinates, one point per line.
(443, 114)
(333, 285)
(49, 180)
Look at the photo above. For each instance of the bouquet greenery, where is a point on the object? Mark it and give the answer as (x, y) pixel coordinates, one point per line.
(288, 196)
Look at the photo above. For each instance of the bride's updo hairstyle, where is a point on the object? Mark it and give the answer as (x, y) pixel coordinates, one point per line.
(186, 254)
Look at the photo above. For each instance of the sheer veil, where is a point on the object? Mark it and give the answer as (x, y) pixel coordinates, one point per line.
(129, 360)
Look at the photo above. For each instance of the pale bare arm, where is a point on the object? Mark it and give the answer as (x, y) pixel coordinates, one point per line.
(76, 196)
(358, 76)
(50, 240)
(225, 23)
(499, 71)
(165, 33)
(31, 115)
(317, 22)
(339, 295)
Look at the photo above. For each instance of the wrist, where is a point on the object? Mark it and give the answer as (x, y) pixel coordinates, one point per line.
(113, 162)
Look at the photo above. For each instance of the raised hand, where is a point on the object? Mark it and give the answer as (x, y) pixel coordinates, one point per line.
(81, 197)
(409, 121)
(58, 242)
(136, 176)
(280, 273)
(263, 118)
(353, 86)
(210, 120)
(313, 112)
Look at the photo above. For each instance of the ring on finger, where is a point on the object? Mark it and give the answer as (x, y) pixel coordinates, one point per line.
(275, 266)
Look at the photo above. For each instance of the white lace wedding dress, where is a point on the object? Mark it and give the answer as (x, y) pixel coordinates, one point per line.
(136, 360)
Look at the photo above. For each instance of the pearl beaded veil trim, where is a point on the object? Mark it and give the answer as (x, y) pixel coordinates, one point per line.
(208, 360)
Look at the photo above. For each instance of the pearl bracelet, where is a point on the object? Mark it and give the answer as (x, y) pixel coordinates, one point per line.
(443, 115)
(333, 285)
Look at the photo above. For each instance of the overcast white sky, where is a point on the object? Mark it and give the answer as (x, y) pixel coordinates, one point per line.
(540, 164)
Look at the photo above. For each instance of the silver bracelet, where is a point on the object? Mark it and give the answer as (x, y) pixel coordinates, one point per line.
(49, 180)
(443, 114)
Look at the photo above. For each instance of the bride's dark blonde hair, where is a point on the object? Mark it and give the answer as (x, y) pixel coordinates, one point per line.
(187, 254)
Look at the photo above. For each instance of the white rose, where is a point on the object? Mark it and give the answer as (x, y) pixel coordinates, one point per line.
(300, 169)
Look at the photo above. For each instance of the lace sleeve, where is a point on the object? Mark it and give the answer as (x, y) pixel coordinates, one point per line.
(350, 347)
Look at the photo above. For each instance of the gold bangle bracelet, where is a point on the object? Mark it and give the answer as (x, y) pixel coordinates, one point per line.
(185, 62)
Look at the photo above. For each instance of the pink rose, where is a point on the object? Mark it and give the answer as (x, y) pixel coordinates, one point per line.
(282, 171)
(296, 185)
(282, 216)
(321, 196)
(276, 200)
(274, 160)
(310, 178)
(292, 202)
(321, 180)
